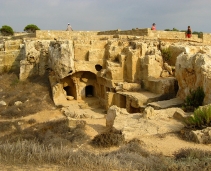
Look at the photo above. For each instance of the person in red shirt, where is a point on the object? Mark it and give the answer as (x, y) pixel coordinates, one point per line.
(189, 32)
(153, 27)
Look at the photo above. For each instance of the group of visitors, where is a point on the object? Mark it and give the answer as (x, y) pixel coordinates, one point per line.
(188, 32)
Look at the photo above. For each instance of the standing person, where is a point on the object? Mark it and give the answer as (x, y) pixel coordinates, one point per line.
(153, 27)
(189, 32)
(69, 28)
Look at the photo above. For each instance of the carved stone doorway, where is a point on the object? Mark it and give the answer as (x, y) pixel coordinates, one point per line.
(89, 91)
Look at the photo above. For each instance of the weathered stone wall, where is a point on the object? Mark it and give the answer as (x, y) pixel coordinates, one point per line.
(35, 58)
(146, 32)
(206, 38)
(63, 35)
(11, 53)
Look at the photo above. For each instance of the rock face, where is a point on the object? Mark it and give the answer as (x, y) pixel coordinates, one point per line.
(201, 136)
(125, 70)
(99, 68)
(61, 58)
(36, 58)
(194, 71)
(3, 103)
(112, 112)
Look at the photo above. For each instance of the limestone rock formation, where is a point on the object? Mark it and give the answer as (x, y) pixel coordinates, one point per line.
(201, 136)
(112, 112)
(122, 68)
(3, 103)
(36, 57)
(148, 112)
(194, 71)
(136, 125)
(61, 59)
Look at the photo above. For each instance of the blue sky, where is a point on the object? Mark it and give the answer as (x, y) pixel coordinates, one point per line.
(99, 15)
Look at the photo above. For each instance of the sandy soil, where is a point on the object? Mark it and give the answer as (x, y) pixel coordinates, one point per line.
(167, 144)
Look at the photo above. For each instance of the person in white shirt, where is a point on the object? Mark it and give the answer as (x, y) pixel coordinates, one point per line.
(69, 28)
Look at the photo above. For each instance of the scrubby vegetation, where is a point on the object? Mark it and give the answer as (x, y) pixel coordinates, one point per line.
(194, 99)
(200, 119)
(131, 156)
(174, 29)
(108, 139)
(31, 28)
(166, 54)
(6, 30)
(52, 133)
(33, 95)
(198, 33)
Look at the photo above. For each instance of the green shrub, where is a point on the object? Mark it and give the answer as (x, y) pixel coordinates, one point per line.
(31, 28)
(194, 99)
(166, 54)
(174, 29)
(198, 33)
(200, 119)
(6, 30)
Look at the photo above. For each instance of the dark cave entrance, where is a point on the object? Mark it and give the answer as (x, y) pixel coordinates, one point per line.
(89, 91)
(70, 90)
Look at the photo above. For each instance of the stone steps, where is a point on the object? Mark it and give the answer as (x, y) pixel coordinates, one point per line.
(137, 101)
(160, 94)
(143, 97)
(166, 89)
(174, 102)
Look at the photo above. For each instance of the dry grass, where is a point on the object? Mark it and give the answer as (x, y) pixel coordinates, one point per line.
(129, 157)
(52, 133)
(5, 126)
(33, 93)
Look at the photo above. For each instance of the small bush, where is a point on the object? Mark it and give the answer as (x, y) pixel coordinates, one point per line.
(108, 139)
(11, 112)
(191, 153)
(174, 29)
(6, 30)
(200, 119)
(198, 33)
(194, 99)
(166, 54)
(167, 30)
(5, 126)
(31, 121)
(31, 28)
